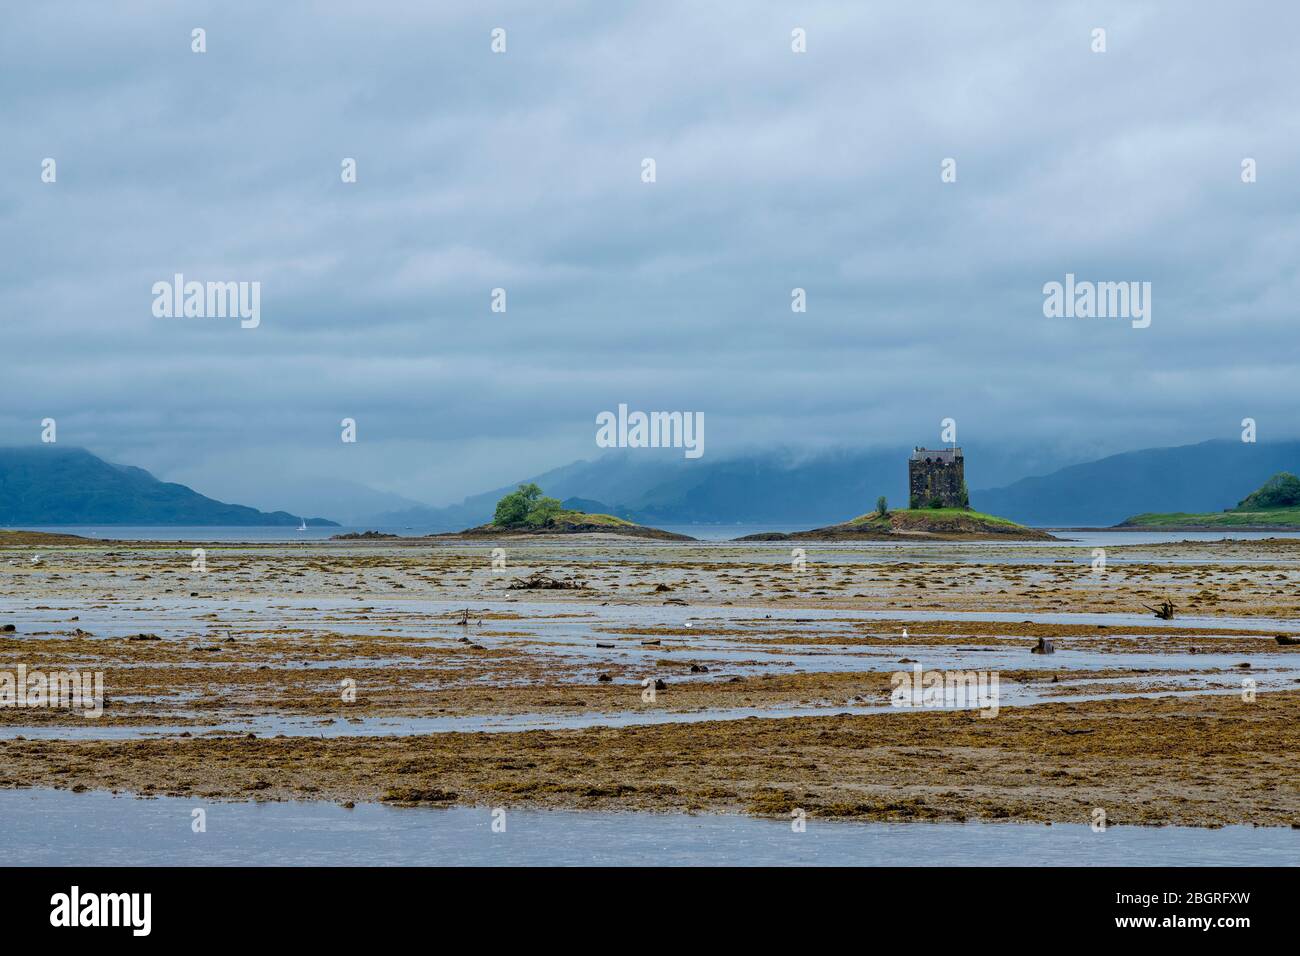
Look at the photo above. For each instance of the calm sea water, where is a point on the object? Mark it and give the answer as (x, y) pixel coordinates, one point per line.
(54, 827)
(704, 532)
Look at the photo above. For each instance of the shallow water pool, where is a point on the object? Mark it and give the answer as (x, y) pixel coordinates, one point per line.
(53, 827)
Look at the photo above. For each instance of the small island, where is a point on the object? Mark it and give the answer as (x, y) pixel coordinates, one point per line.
(1274, 506)
(926, 524)
(939, 511)
(526, 511)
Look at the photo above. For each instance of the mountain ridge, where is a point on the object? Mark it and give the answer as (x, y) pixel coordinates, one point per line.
(44, 486)
(1203, 477)
(778, 486)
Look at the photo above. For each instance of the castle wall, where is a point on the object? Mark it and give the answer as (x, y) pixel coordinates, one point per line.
(928, 480)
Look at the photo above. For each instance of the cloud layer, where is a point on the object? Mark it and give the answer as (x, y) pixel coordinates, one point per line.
(521, 170)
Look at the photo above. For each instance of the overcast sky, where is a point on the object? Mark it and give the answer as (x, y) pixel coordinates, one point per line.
(522, 170)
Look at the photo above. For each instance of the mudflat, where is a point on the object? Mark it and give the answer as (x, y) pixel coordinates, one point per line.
(711, 677)
(1200, 761)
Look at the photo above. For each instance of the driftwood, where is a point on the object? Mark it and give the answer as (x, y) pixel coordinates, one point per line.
(544, 582)
(1164, 610)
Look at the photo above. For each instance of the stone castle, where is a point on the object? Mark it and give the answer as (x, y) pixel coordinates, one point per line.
(937, 478)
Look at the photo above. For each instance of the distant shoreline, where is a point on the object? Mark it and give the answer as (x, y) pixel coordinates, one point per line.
(1211, 529)
(215, 537)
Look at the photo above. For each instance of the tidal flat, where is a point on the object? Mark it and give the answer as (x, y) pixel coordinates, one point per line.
(598, 673)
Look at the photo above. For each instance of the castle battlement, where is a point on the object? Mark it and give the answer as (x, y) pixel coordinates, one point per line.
(936, 454)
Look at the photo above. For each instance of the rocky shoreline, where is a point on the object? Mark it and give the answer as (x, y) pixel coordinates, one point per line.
(913, 525)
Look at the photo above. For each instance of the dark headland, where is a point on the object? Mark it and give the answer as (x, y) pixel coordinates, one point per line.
(1274, 506)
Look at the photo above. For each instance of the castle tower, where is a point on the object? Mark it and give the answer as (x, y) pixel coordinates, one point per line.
(937, 475)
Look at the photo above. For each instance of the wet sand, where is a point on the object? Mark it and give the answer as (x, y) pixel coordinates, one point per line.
(431, 630)
(1231, 578)
(1199, 761)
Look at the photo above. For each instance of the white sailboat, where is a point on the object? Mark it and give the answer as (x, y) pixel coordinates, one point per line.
(303, 526)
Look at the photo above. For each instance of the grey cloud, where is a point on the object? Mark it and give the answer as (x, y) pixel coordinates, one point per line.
(775, 171)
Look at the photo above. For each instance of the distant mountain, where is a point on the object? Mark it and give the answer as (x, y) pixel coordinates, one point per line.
(349, 503)
(47, 485)
(1274, 505)
(609, 479)
(587, 506)
(655, 487)
(1200, 478)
